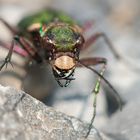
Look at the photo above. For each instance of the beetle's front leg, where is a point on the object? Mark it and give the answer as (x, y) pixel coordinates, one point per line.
(91, 62)
(26, 47)
(18, 50)
(95, 91)
(8, 57)
(32, 52)
(95, 37)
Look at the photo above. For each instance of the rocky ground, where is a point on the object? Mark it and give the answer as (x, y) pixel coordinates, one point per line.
(22, 117)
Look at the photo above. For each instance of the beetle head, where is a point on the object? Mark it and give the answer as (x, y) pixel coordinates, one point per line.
(64, 44)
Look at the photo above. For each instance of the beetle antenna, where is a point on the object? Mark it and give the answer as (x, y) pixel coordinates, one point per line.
(116, 94)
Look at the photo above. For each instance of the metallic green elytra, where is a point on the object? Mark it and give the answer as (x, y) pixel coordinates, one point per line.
(45, 17)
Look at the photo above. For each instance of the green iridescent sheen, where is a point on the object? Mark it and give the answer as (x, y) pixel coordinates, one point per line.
(97, 87)
(42, 33)
(63, 37)
(45, 17)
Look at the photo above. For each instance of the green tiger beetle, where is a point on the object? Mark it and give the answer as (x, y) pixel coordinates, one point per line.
(54, 38)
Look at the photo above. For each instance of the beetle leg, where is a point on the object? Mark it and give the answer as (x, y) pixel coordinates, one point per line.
(88, 62)
(92, 61)
(95, 37)
(95, 91)
(20, 51)
(8, 57)
(27, 47)
(12, 29)
(95, 61)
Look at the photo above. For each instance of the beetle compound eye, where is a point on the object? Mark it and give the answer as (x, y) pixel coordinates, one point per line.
(80, 40)
(49, 45)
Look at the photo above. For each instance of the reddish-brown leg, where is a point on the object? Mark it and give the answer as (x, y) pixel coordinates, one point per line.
(14, 31)
(27, 49)
(87, 62)
(95, 37)
(16, 49)
(92, 61)
(26, 46)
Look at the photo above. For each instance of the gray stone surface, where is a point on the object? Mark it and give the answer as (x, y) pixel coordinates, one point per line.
(125, 125)
(22, 117)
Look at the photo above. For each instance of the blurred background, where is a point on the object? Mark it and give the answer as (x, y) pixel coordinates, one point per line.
(121, 23)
